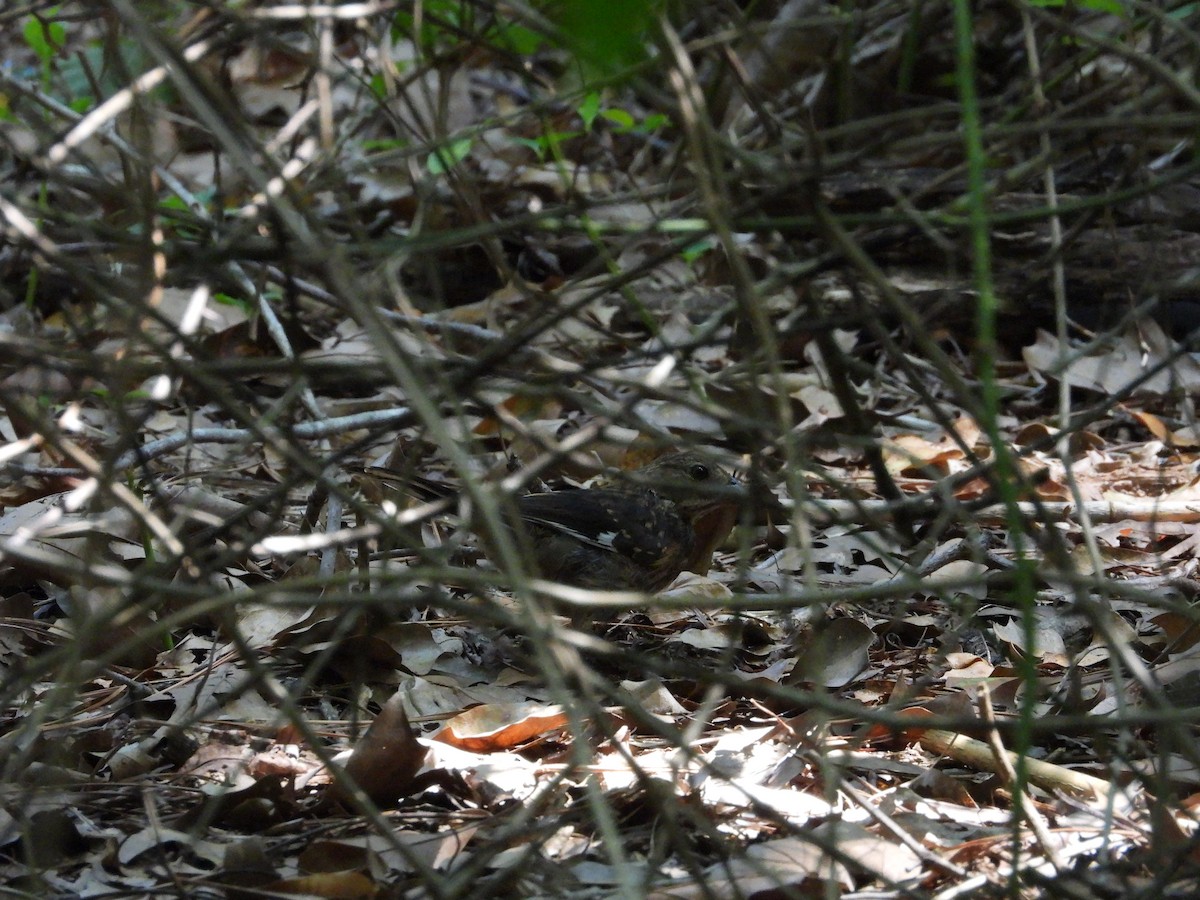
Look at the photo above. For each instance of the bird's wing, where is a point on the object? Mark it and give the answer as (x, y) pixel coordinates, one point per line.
(640, 527)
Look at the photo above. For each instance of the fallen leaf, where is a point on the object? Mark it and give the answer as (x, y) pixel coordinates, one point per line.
(501, 726)
(386, 758)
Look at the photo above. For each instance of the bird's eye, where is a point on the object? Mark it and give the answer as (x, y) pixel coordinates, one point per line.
(698, 472)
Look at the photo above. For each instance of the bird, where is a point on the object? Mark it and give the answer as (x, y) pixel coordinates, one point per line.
(636, 531)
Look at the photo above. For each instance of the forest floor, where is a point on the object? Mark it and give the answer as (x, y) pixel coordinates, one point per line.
(937, 311)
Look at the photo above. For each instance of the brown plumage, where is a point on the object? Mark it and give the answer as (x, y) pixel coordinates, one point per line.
(636, 531)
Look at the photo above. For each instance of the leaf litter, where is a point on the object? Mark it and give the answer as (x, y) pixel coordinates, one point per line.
(830, 709)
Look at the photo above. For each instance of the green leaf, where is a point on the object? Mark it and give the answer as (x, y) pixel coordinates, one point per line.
(519, 40)
(693, 252)
(653, 122)
(537, 145)
(246, 306)
(622, 121)
(44, 38)
(608, 35)
(547, 142)
(589, 109)
(444, 159)
(173, 201)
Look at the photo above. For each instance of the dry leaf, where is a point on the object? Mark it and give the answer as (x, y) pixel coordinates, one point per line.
(386, 758)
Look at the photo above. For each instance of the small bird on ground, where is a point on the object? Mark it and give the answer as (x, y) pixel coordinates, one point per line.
(633, 532)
